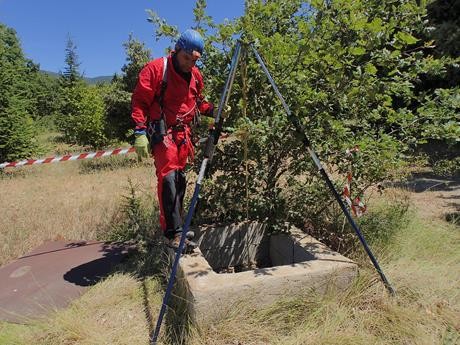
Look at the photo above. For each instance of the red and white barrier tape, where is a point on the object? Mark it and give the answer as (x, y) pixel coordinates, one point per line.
(357, 206)
(87, 155)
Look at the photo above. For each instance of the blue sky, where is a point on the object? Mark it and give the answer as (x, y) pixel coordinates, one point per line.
(98, 28)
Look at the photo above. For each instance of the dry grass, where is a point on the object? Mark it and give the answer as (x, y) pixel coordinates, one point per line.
(424, 269)
(111, 312)
(53, 201)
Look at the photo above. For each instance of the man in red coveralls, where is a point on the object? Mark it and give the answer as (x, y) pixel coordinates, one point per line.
(166, 100)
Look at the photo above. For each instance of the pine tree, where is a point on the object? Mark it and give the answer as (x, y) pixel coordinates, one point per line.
(71, 75)
(118, 100)
(17, 130)
(82, 111)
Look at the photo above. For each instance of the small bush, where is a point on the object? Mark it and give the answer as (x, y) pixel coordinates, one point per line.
(447, 167)
(82, 118)
(134, 220)
(378, 225)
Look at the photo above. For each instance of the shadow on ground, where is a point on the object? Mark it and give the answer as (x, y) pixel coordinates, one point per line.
(424, 182)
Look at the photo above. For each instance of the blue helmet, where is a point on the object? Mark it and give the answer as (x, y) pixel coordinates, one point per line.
(190, 40)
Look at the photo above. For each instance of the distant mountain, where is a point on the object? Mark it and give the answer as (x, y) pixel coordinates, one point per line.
(92, 81)
(100, 79)
(51, 74)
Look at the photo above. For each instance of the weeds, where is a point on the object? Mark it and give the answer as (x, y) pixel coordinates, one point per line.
(379, 225)
(447, 167)
(453, 218)
(13, 173)
(389, 217)
(133, 220)
(108, 163)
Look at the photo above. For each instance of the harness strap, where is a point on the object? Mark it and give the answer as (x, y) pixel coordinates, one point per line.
(164, 83)
(160, 98)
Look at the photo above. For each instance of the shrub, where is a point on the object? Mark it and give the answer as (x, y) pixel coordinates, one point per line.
(84, 123)
(447, 167)
(135, 219)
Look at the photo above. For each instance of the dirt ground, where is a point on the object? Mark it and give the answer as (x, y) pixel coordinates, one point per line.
(435, 197)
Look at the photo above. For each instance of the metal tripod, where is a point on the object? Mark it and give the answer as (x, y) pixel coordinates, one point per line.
(212, 141)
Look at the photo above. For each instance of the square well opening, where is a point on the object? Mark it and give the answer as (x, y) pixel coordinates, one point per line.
(284, 264)
(248, 246)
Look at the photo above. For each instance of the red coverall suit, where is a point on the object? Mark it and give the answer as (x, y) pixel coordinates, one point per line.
(181, 101)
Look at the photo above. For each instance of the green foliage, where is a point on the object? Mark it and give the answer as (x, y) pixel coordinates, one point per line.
(89, 125)
(82, 110)
(71, 75)
(447, 167)
(348, 71)
(444, 18)
(117, 97)
(46, 96)
(356, 73)
(118, 107)
(440, 115)
(133, 221)
(17, 130)
(335, 69)
(163, 29)
(137, 55)
(84, 123)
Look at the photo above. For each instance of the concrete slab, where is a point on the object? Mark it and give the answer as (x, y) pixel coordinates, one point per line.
(298, 262)
(52, 275)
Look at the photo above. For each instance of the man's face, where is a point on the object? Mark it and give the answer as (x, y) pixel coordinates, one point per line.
(187, 61)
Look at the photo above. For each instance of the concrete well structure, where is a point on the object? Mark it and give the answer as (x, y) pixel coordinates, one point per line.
(283, 265)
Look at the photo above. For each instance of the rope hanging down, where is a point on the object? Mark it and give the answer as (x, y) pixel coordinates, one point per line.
(355, 204)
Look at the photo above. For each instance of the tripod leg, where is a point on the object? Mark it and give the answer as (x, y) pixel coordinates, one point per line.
(301, 131)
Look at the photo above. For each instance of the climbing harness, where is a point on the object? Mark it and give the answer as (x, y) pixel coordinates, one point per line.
(158, 129)
(212, 141)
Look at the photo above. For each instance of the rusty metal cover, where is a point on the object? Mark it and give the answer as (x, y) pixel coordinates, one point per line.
(52, 275)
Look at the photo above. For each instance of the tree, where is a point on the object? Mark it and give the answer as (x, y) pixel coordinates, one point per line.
(46, 95)
(137, 55)
(71, 74)
(444, 16)
(17, 130)
(349, 70)
(438, 85)
(118, 96)
(82, 112)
